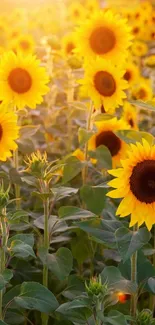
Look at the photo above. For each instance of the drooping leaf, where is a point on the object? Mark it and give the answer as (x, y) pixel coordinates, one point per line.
(20, 249)
(35, 296)
(94, 197)
(72, 168)
(103, 156)
(84, 136)
(74, 213)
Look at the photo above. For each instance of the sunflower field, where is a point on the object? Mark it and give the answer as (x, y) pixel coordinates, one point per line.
(77, 162)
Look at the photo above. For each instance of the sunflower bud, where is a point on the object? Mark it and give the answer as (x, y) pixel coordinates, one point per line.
(74, 62)
(144, 317)
(37, 164)
(95, 287)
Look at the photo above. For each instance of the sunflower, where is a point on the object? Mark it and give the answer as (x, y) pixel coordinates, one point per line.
(106, 35)
(78, 153)
(139, 48)
(150, 61)
(68, 44)
(135, 183)
(130, 115)
(8, 132)
(24, 44)
(22, 80)
(105, 136)
(137, 30)
(142, 90)
(76, 12)
(132, 73)
(104, 83)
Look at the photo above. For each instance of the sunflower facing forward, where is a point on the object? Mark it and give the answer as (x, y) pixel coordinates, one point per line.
(104, 83)
(8, 132)
(135, 184)
(130, 115)
(105, 136)
(106, 35)
(22, 80)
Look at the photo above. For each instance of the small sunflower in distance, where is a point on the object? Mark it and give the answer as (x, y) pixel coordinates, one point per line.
(104, 83)
(130, 115)
(68, 44)
(135, 184)
(105, 35)
(105, 136)
(8, 132)
(142, 90)
(132, 73)
(24, 44)
(22, 81)
(139, 48)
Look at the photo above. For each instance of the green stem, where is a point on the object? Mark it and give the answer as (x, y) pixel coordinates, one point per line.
(2, 256)
(17, 187)
(46, 246)
(98, 309)
(152, 298)
(133, 307)
(85, 169)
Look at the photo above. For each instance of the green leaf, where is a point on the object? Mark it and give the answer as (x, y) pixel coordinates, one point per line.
(129, 242)
(3, 323)
(60, 263)
(82, 247)
(116, 318)
(94, 197)
(77, 310)
(28, 131)
(21, 249)
(132, 136)
(103, 156)
(101, 232)
(151, 283)
(113, 276)
(9, 295)
(84, 136)
(71, 169)
(14, 318)
(26, 238)
(26, 146)
(15, 176)
(146, 105)
(103, 117)
(74, 213)
(62, 192)
(5, 277)
(35, 296)
(18, 214)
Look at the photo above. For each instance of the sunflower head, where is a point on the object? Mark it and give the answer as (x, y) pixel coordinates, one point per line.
(37, 164)
(105, 35)
(142, 90)
(104, 83)
(9, 132)
(130, 115)
(68, 44)
(76, 12)
(106, 136)
(78, 153)
(131, 73)
(24, 44)
(22, 81)
(139, 48)
(150, 61)
(135, 184)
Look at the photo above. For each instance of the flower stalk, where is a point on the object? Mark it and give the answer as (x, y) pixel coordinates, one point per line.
(3, 245)
(85, 169)
(133, 306)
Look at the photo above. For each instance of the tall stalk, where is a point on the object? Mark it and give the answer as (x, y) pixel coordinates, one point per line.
(85, 169)
(3, 244)
(17, 186)
(46, 246)
(133, 306)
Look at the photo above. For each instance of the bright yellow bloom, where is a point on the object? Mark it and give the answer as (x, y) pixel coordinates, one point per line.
(105, 136)
(78, 153)
(135, 184)
(8, 132)
(130, 115)
(104, 83)
(106, 35)
(139, 48)
(24, 44)
(132, 73)
(142, 90)
(150, 61)
(68, 44)
(76, 12)
(22, 80)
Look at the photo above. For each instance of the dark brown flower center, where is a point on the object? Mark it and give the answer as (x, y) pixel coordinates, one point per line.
(131, 122)
(142, 181)
(20, 80)
(102, 40)
(128, 75)
(110, 140)
(135, 30)
(141, 94)
(104, 83)
(25, 45)
(70, 47)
